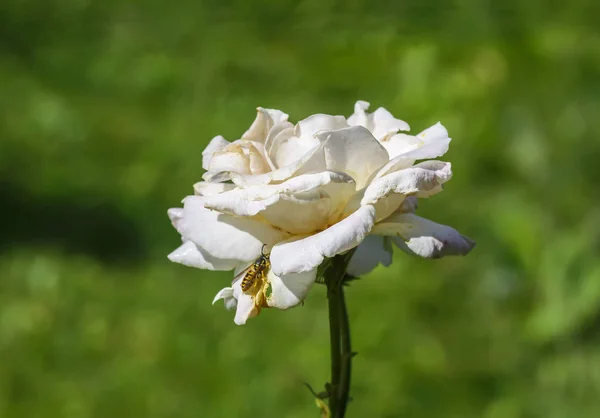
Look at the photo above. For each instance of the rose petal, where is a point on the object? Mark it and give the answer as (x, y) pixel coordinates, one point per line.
(222, 236)
(353, 151)
(215, 144)
(372, 251)
(300, 205)
(434, 143)
(289, 290)
(422, 180)
(313, 161)
(381, 123)
(227, 295)
(265, 120)
(360, 115)
(190, 255)
(204, 188)
(384, 124)
(308, 253)
(423, 237)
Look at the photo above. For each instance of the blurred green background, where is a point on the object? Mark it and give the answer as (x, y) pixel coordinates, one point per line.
(105, 108)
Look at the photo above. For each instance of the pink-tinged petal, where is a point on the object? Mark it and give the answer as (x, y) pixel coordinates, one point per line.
(422, 237)
(216, 144)
(353, 151)
(372, 251)
(290, 290)
(305, 254)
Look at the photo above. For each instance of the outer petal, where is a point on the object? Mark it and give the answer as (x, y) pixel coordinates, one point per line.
(371, 252)
(216, 144)
(384, 124)
(221, 236)
(360, 118)
(227, 295)
(434, 142)
(289, 290)
(353, 151)
(265, 120)
(190, 255)
(423, 237)
(422, 180)
(308, 253)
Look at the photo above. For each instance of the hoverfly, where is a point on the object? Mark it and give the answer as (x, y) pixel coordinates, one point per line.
(256, 272)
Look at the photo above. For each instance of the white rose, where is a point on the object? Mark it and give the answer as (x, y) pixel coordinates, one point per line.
(311, 191)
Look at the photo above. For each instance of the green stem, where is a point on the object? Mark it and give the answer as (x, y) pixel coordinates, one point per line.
(346, 351)
(339, 333)
(335, 346)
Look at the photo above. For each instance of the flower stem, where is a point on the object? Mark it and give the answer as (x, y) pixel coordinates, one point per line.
(346, 354)
(339, 333)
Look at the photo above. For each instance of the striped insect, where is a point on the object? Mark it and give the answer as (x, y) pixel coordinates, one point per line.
(256, 272)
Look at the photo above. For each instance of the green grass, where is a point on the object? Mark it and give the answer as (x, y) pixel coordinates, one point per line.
(105, 108)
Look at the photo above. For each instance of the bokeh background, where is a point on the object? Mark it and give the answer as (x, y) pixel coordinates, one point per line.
(105, 108)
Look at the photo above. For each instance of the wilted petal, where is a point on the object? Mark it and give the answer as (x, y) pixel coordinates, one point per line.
(289, 290)
(372, 251)
(216, 144)
(221, 236)
(265, 120)
(308, 253)
(354, 151)
(423, 237)
(227, 295)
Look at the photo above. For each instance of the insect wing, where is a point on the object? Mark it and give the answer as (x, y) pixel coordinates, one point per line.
(241, 274)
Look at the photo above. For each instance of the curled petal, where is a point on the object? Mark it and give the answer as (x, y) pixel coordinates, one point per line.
(310, 126)
(384, 124)
(434, 142)
(265, 120)
(422, 180)
(372, 251)
(289, 290)
(381, 122)
(305, 254)
(190, 255)
(227, 295)
(420, 236)
(354, 151)
(222, 236)
(216, 144)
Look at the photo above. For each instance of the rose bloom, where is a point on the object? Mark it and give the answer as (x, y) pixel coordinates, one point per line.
(309, 191)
